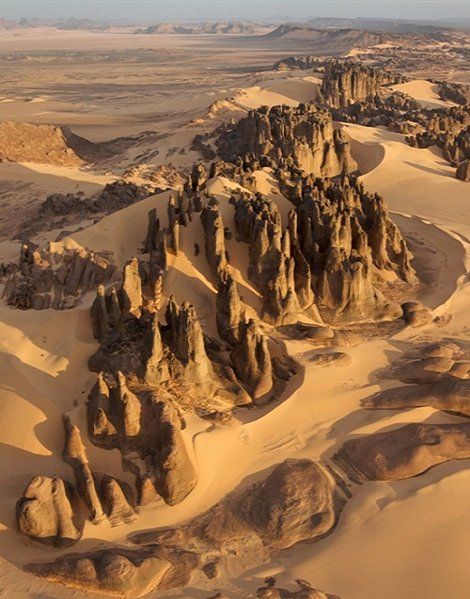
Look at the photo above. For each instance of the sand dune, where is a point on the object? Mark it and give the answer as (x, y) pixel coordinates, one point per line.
(424, 92)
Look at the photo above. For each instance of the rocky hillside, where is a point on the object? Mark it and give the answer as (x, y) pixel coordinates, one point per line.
(45, 144)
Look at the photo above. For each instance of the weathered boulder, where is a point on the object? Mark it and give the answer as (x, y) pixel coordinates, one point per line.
(404, 452)
(45, 512)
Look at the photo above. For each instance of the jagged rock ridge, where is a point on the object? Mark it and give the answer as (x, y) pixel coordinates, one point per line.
(304, 134)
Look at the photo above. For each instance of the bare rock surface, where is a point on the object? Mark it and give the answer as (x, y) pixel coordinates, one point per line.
(121, 572)
(305, 591)
(331, 359)
(404, 452)
(298, 501)
(51, 278)
(74, 453)
(304, 134)
(147, 432)
(45, 512)
(346, 82)
(416, 314)
(436, 375)
(118, 501)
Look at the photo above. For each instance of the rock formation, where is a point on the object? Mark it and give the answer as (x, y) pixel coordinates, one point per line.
(297, 502)
(448, 128)
(305, 591)
(74, 453)
(455, 92)
(44, 144)
(404, 452)
(53, 278)
(463, 170)
(147, 432)
(347, 82)
(118, 501)
(334, 258)
(214, 238)
(252, 361)
(298, 63)
(45, 512)
(228, 309)
(121, 572)
(174, 357)
(436, 375)
(304, 135)
(416, 314)
(114, 196)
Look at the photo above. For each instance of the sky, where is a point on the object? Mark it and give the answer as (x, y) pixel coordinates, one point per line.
(162, 10)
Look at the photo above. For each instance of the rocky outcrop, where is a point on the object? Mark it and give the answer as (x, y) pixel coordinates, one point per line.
(416, 314)
(174, 358)
(347, 82)
(335, 258)
(435, 375)
(277, 266)
(447, 128)
(298, 501)
(404, 452)
(298, 63)
(74, 453)
(45, 512)
(449, 395)
(118, 501)
(141, 287)
(114, 196)
(304, 591)
(147, 432)
(44, 144)
(53, 278)
(121, 572)
(304, 135)
(214, 238)
(463, 171)
(229, 309)
(252, 361)
(455, 92)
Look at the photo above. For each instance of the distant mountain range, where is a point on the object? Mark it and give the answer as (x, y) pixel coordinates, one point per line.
(209, 28)
(246, 27)
(389, 25)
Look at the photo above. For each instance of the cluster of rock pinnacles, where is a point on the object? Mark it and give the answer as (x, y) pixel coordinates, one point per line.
(334, 260)
(358, 94)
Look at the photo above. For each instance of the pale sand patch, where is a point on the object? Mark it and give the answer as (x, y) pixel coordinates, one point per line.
(424, 92)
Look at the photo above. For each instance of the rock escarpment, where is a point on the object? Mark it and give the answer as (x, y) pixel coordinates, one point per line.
(347, 82)
(305, 135)
(53, 278)
(404, 452)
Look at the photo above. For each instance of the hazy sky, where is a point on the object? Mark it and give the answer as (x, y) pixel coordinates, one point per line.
(161, 10)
